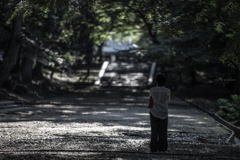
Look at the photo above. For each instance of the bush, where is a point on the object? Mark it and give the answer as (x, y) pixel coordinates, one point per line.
(229, 110)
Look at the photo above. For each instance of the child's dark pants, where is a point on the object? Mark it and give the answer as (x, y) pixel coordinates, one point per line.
(158, 134)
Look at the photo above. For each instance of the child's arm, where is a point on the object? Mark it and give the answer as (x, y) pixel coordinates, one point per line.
(150, 102)
(169, 95)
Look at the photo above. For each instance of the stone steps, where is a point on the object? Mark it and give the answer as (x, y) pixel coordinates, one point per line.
(10, 104)
(126, 74)
(128, 67)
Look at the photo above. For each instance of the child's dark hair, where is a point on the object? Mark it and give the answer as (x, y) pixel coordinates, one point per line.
(160, 79)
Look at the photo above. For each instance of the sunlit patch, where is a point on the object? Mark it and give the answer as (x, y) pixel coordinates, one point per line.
(129, 118)
(142, 114)
(116, 109)
(68, 111)
(95, 113)
(86, 113)
(108, 92)
(137, 141)
(112, 74)
(45, 105)
(201, 122)
(189, 100)
(142, 123)
(115, 115)
(173, 130)
(134, 90)
(51, 129)
(128, 99)
(189, 119)
(179, 116)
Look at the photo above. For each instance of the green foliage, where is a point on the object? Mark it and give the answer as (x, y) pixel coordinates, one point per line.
(236, 101)
(229, 110)
(26, 8)
(219, 26)
(223, 102)
(79, 22)
(225, 16)
(174, 18)
(231, 56)
(221, 113)
(68, 57)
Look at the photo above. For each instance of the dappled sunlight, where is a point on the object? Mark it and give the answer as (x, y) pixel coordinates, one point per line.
(142, 123)
(182, 119)
(190, 119)
(90, 127)
(200, 122)
(76, 91)
(179, 116)
(100, 124)
(68, 111)
(134, 90)
(173, 130)
(130, 118)
(128, 99)
(112, 119)
(80, 98)
(116, 109)
(142, 114)
(96, 112)
(125, 74)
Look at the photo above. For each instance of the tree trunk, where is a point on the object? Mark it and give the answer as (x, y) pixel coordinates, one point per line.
(10, 58)
(26, 68)
(193, 77)
(100, 52)
(16, 68)
(237, 81)
(37, 71)
(180, 77)
(89, 58)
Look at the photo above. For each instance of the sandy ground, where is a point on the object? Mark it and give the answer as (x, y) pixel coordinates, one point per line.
(108, 124)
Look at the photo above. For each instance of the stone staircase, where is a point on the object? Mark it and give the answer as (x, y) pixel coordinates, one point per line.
(126, 74)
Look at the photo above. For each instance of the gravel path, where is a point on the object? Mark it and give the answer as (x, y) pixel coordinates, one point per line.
(108, 124)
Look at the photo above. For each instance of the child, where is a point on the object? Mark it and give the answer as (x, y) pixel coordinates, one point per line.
(158, 105)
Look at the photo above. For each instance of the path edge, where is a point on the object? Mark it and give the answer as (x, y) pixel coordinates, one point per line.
(235, 131)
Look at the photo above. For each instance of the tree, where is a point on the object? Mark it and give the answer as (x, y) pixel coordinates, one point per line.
(162, 19)
(16, 10)
(10, 57)
(223, 16)
(171, 17)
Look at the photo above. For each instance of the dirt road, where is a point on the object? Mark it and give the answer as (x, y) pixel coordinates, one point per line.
(108, 124)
